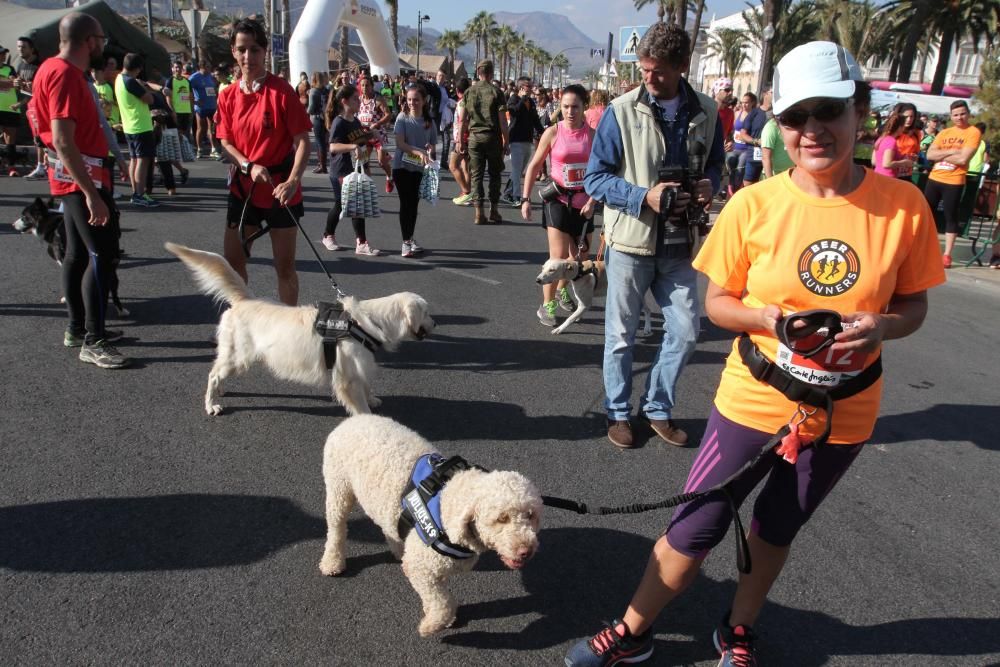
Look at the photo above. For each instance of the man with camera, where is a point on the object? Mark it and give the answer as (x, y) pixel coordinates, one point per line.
(656, 161)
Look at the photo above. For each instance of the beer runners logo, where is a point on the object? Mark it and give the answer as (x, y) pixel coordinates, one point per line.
(829, 267)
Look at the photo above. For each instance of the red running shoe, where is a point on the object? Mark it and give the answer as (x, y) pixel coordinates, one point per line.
(946, 260)
(389, 185)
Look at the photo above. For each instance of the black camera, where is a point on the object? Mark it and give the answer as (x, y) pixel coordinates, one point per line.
(688, 179)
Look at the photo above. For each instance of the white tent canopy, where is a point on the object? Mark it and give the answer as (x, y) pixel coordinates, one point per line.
(319, 22)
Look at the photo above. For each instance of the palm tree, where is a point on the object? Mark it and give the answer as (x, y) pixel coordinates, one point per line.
(345, 34)
(516, 47)
(478, 27)
(792, 24)
(393, 6)
(674, 11)
(593, 77)
(451, 41)
(411, 44)
(699, 10)
(502, 40)
(957, 20)
(729, 46)
(856, 25)
(559, 63)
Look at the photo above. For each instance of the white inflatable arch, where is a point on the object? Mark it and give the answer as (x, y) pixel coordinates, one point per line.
(309, 48)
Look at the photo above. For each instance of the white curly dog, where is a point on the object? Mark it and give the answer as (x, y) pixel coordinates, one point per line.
(282, 337)
(368, 459)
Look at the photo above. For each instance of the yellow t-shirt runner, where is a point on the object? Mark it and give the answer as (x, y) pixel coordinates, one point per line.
(782, 246)
(953, 139)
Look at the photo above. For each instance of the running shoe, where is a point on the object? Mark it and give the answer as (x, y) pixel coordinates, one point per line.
(70, 339)
(547, 313)
(389, 185)
(103, 355)
(463, 200)
(150, 202)
(735, 645)
(614, 645)
(995, 262)
(510, 201)
(215, 155)
(407, 250)
(565, 301)
(330, 243)
(13, 173)
(40, 173)
(365, 249)
(415, 247)
(946, 261)
(184, 176)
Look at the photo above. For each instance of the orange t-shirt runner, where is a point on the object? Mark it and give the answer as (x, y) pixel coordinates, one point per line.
(779, 245)
(953, 139)
(61, 92)
(261, 125)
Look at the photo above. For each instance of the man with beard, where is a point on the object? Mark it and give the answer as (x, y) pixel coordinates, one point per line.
(65, 117)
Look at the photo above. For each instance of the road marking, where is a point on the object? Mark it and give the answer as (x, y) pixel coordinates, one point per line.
(464, 274)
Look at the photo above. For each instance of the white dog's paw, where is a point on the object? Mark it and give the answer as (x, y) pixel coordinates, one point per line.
(331, 567)
(374, 402)
(556, 331)
(430, 626)
(214, 410)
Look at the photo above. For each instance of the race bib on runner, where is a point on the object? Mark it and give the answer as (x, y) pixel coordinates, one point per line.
(573, 174)
(413, 160)
(758, 154)
(95, 168)
(944, 165)
(185, 97)
(825, 369)
(209, 91)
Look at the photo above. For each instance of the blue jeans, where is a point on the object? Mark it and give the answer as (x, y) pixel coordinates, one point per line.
(674, 286)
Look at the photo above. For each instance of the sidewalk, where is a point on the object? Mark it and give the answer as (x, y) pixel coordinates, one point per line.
(980, 276)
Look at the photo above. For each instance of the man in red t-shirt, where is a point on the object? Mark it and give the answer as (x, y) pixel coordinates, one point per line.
(64, 117)
(260, 122)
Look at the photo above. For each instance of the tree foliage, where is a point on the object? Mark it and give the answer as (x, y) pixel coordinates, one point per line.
(988, 98)
(729, 46)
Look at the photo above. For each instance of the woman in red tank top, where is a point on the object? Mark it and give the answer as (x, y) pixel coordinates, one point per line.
(569, 218)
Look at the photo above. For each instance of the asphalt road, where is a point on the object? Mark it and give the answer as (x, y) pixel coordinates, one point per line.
(136, 530)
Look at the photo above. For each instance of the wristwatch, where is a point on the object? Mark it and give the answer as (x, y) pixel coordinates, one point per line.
(245, 167)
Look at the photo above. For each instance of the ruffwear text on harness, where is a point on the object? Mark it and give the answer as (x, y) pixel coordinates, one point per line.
(421, 503)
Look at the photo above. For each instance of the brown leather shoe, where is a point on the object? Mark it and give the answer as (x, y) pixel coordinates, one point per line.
(620, 434)
(668, 431)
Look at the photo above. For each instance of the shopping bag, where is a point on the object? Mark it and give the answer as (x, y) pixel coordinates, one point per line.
(430, 183)
(187, 150)
(168, 149)
(358, 195)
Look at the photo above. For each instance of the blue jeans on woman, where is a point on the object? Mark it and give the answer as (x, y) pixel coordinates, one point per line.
(674, 285)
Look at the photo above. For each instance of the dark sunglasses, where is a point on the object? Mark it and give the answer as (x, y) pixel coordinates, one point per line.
(809, 332)
(824, 112)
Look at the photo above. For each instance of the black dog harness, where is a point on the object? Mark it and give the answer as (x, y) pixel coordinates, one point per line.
(588, 267)
(334, 324)
(803, 393)
(421, 503)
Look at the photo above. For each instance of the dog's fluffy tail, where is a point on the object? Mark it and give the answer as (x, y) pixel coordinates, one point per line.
(212, 272)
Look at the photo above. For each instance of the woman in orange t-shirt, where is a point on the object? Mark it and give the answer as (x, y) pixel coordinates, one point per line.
(826, 234)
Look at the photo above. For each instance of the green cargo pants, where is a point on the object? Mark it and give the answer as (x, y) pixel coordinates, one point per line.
(485, 152)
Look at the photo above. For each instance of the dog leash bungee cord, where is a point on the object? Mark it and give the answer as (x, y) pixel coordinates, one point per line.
(265, 228)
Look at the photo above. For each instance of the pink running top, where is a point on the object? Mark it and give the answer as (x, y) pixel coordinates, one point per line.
(569, 155)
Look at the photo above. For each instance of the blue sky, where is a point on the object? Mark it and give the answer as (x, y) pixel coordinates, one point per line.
(594, 17)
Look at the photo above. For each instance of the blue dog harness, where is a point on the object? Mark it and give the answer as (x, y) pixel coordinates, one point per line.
(334, 324)
(421, 503)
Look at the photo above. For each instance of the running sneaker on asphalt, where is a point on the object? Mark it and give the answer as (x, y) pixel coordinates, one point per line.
(565, 301)
(735, 645)
(365, 249)
(463, 200)
(407, 250)
(330, 243)
(150, 202)
(70, 339)
(103, 355)
(415, 247)
(40, 173)
(547, 313)
(614, 645)
(389, 185)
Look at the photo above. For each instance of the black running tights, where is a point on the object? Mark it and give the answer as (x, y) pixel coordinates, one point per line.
(88, 266)
(408, 187)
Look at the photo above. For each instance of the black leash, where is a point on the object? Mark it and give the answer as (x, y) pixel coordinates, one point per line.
(265, 228)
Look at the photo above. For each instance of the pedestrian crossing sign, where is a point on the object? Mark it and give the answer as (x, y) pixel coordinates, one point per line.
(628, 42)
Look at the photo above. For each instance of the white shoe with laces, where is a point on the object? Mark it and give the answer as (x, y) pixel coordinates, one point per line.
(407, 250)
(38, 174)
(415, 247)
(366, 249)
(330, 243)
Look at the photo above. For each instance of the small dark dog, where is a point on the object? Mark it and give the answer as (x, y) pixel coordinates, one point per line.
(42, 219)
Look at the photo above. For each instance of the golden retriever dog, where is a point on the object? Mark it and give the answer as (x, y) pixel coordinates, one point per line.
(368, 460)
(283, 337)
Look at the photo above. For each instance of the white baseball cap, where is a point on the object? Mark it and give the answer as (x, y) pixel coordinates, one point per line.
(814, 69)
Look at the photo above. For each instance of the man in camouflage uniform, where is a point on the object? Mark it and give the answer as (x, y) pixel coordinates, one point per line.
(485, 123)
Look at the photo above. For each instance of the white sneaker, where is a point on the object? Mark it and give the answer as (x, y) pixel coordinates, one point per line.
(366, 249)
(38, 174)
(330, 243)
(407, 249)
(415, 247)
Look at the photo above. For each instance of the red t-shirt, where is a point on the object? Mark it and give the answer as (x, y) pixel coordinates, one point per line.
(60, 91)
(728, 118)
(261, 125)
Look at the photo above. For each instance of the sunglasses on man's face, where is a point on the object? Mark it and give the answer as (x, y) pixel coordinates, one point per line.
(824, 112)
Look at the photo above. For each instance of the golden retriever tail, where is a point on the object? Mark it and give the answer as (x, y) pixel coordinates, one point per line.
(212, 272)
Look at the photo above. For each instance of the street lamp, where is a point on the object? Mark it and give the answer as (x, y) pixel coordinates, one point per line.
(421, 17)
(765, 56)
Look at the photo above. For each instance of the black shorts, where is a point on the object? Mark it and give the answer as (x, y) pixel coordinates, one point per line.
(184, 122)
(142, 145)
(276, 217)
(568, 220)
(10, 119)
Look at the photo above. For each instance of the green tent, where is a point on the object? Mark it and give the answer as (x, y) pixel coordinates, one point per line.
(42, 26)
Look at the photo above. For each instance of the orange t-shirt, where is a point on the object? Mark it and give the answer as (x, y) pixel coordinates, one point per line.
(953, 139)
(779, 245)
